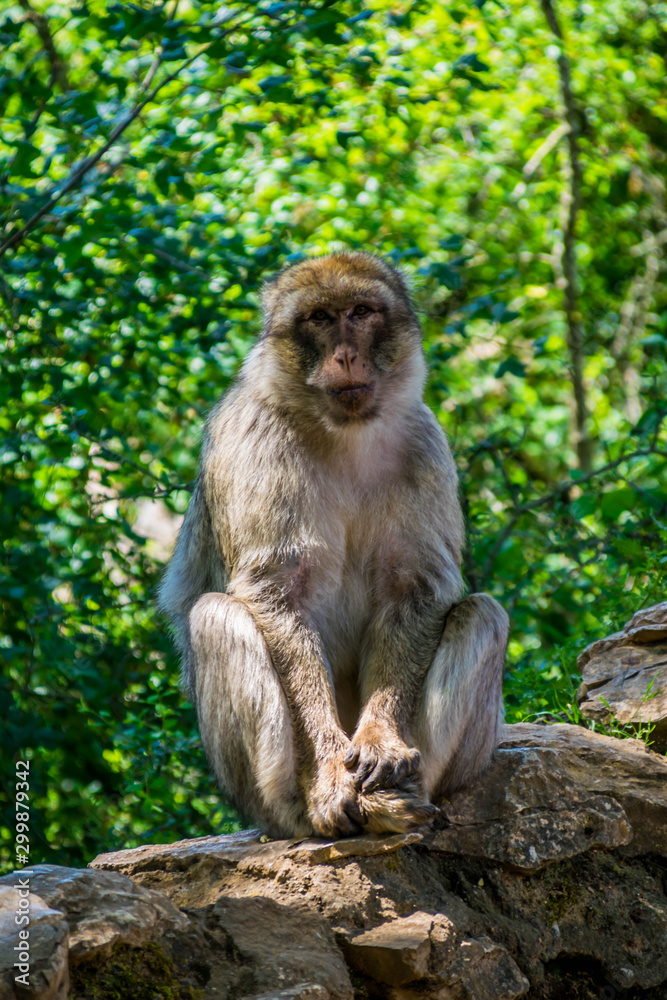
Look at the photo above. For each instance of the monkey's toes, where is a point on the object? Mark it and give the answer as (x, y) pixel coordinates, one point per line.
(395, 811)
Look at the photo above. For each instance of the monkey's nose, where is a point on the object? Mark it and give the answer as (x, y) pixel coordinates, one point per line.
(346, 356)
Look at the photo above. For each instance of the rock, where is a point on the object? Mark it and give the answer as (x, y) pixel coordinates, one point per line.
(287, 947)
(648, 625)
(425, 953)
(552, 865)
(242, 848)
(624, 770)
(396, 952)
(481, 969)
(45, 975)
(530, 812)
(621, 669)
(102, 908)
(546, 880)
(303, 991)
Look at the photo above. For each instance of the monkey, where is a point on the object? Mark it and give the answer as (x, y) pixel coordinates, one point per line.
(342, 681)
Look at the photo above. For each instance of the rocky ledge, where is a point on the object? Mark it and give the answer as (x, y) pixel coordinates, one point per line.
(548, 879)
(624, 676)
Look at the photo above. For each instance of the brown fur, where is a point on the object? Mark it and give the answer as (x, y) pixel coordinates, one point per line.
(340, 680)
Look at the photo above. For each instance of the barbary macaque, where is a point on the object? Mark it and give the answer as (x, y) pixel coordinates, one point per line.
(342, 681)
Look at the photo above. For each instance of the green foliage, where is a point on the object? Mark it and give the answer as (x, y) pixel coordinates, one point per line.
(270, 131)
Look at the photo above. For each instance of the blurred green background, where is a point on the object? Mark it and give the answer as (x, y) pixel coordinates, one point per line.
(230, 140)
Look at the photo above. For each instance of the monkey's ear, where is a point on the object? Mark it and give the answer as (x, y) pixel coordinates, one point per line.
(400, 277)
(270, 290)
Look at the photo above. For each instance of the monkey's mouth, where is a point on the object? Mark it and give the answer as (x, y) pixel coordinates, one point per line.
(351, 393)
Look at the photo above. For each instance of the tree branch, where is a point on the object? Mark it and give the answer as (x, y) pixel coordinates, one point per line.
(543, 150)
(90, 162)
(562, 488)
(571, 206)
(41, 23)
(180, 264)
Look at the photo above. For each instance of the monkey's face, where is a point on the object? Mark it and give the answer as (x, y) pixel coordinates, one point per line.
(338, 341)
(345, 331)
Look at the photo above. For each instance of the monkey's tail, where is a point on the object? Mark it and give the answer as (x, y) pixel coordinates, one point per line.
(395, 810)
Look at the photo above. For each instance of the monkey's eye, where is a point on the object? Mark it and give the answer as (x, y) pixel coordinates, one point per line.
(319, 315)
(360, 310)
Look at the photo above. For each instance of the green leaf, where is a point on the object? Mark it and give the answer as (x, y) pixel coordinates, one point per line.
(361, 16)
(453, 242)
(630, 548)
(324, 25)
(26, 153)
(471, 61)
(142, 235)
(511, 365)
(445, 275)
(584, 505)
(270, 82)
(502, 313)
(615, 502)
(343, 138)
(649, 421)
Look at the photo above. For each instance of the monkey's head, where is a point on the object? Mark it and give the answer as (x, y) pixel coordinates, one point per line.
(343, 337)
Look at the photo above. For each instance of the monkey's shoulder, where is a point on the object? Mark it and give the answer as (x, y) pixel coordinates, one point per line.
(426, 447)
(242, 432)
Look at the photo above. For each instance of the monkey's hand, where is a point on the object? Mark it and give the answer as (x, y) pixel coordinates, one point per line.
(379, 758)
(332, 800)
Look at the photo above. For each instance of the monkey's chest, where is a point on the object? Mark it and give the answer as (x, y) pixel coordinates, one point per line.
(342, 619)
(340, 602)
(345, 580)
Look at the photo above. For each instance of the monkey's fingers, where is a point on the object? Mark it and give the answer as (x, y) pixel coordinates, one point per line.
(378, 777)
(368, 761)
(334, 825)
(351, 758)
(391, 773)
(346, 827)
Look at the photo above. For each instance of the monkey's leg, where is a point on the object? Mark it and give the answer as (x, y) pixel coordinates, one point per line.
(458, 719)
(244, 720)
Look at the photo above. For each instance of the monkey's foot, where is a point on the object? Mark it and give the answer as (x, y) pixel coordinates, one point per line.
(394, 810)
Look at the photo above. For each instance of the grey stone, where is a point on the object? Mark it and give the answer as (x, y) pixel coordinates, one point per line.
(103, 908)
(529, 811)
(288, 949)
(624, 676)
(48, 974)
(623, 770)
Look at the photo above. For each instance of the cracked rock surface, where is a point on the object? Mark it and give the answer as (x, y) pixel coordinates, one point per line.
(547, 879)
(628, 671)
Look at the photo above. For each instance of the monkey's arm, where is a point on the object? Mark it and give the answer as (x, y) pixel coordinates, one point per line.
(400, 647)
(272, 595)
(192, 571)
(417, 581)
